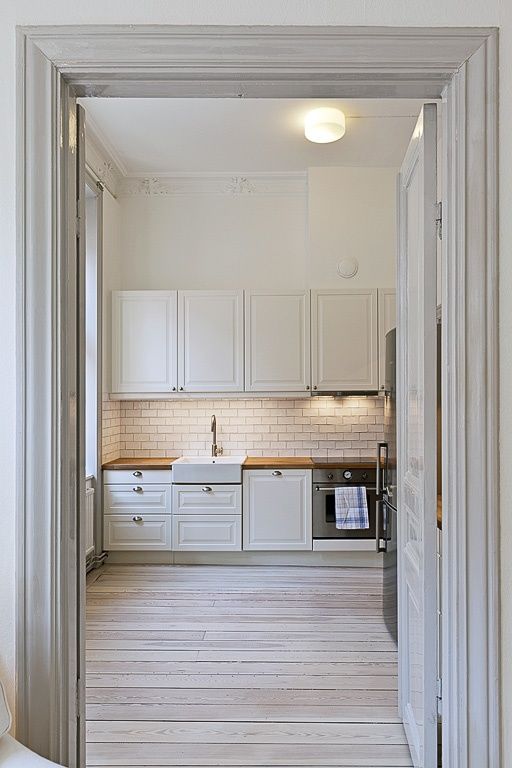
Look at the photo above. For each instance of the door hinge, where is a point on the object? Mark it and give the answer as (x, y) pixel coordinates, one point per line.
(78, 224)
(439, 220)
(439, 695)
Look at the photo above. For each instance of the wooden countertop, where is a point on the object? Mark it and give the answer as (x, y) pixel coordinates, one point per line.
(281, 462)
(134, 463)
(252, 462)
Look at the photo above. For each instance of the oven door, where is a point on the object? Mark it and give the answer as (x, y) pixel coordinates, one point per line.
(324, 519)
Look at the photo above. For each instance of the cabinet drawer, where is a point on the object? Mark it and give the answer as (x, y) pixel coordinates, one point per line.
(124, 532)
(203, 533)
(139, 499)
(137, 476)
(207, 499)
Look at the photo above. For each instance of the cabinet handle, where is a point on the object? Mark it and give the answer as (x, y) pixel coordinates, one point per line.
(137, 488)
(206, 488)
(137, 473)
(137, 519)
(277, 473)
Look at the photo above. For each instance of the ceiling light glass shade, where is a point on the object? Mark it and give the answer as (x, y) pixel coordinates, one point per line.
(324, 125)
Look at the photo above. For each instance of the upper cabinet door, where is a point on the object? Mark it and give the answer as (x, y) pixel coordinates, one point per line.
(210, 346)
(144, 335)
(277, 341)
(344, 340)
(387, 321)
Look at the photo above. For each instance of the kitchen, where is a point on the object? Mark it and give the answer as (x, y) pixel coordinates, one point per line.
(241, 372)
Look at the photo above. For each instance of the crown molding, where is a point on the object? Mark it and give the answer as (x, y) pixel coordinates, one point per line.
(102, 160)
(170, 185)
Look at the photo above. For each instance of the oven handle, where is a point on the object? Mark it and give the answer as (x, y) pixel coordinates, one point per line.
(341, 485)
(378, 483)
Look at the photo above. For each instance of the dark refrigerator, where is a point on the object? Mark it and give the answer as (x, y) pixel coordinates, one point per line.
(387, 488)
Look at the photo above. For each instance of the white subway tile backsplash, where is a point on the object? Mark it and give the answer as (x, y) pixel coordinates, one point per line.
(344, 427)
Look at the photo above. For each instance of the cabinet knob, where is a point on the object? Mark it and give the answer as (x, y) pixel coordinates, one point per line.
(137, 519)
(277, 473)
(137, 473)
(206, 488)
(315, 387)
(307, 387)
(173, 389)
(181, 389)
(137, 488)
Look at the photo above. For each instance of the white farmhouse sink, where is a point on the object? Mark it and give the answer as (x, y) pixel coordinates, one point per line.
(206, 469)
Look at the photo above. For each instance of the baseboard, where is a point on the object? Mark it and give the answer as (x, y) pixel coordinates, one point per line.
(339, 559)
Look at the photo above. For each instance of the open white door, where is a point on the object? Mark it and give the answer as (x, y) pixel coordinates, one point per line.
(416, 423)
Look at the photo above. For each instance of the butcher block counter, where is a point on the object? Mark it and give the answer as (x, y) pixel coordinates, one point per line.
(251, 462)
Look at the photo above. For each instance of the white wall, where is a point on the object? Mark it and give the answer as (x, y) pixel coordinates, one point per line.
(213, 241)
(343, 12)
(264, 240)
(351, 213)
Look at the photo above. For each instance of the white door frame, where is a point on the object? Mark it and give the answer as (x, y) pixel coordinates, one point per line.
(57, 64)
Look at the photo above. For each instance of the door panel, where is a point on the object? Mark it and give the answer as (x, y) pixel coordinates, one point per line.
(277, 341)
(344, 340)
(416, 421)
(211, 344)
(144, 341)
(277, 510)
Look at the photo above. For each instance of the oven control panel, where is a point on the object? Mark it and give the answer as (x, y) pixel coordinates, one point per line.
(352, 475)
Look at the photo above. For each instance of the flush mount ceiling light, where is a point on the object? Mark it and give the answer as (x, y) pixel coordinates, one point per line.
(324, 125)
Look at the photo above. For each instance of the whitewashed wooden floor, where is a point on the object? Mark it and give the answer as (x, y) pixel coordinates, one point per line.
(240, 666)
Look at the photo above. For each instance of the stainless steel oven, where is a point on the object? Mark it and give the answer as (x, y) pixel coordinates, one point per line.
(324, 520)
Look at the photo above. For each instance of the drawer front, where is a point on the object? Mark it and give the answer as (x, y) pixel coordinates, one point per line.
(124, 499)
(137, 475)
(123, 532)
(207, 533)
(207, 499)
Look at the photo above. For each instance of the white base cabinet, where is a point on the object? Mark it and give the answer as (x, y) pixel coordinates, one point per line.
(207, 533)
(277, 509)
(137, 510)
(207, 518)
(137, 532)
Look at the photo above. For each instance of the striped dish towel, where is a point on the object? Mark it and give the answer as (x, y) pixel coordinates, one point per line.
(351, 507)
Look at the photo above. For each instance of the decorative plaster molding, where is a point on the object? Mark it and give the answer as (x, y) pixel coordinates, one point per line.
(100, 160)
(213, 184)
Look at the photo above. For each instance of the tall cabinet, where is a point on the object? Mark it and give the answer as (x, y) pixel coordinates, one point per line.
(344, 340)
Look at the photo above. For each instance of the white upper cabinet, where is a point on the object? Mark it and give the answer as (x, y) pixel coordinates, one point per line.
(211, 344)
(277, 341)
(387, 321)
(144, 341)
(344, 340)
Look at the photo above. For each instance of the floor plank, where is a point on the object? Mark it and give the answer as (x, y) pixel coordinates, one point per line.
(240, 666)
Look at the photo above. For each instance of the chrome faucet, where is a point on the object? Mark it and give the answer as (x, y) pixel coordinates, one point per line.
(215, 448)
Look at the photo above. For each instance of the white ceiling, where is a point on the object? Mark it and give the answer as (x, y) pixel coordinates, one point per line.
(158, 136)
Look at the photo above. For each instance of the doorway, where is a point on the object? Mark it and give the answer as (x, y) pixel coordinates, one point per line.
(260, 208)
(465, 507)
